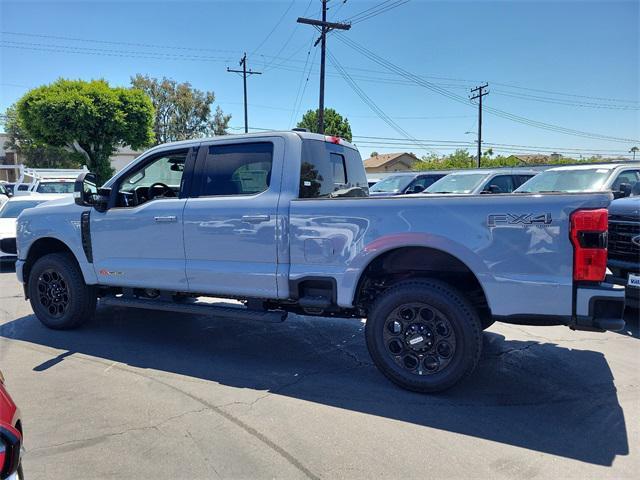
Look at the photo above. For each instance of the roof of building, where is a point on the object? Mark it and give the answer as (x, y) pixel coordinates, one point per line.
(385, 158)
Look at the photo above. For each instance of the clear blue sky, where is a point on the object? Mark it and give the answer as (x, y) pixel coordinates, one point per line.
(586, 50)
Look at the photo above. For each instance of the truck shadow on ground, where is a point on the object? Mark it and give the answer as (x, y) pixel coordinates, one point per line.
(533, 395)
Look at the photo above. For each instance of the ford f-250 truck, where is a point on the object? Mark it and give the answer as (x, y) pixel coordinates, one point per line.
(282, 222)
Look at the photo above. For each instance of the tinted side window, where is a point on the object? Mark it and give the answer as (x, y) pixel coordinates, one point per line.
(628, 176)
(240, 169)
(503, 182)
(329, 170)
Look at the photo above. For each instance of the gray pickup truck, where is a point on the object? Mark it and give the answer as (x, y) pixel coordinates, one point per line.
(282, 222)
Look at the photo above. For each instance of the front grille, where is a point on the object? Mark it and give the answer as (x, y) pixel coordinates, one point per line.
(621, 231)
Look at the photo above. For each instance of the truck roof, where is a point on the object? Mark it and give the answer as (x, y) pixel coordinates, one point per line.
(266, 133)
(591, 166)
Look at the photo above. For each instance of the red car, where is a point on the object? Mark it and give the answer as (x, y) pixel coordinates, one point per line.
(10, 436)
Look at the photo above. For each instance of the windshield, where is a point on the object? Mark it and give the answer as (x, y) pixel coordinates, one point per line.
(13, 209)
(56, 187)
(457, 183)
(392, 184)
(570, 181)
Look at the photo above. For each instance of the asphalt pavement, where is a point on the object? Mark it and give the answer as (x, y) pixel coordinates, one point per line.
(145, 395)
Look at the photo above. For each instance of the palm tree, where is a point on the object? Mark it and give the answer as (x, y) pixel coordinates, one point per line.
(634, 150)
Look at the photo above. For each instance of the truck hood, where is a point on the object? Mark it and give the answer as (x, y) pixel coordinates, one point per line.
(626, 206)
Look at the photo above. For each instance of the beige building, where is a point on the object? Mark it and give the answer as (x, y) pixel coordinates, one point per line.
(390, 162)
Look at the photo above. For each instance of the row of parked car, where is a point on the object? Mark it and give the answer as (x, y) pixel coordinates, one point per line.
(617, 177)
(622, 179)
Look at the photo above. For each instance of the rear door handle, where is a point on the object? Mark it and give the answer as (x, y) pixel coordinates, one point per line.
(256, 218)
(167, 219)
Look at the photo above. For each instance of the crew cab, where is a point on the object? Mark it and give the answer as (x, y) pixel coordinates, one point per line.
(282, 221)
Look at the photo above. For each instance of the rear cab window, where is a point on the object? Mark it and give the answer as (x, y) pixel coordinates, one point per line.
(331, 170)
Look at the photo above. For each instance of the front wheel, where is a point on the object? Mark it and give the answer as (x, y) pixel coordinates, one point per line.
(423, 335)
(57, 292)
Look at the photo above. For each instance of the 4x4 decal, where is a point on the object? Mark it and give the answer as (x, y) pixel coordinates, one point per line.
(519, 219)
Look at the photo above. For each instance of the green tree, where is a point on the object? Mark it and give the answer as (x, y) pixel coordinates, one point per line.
(182, 112)
(459, 159)
(90, 118)
(334, 123)
(35, 154)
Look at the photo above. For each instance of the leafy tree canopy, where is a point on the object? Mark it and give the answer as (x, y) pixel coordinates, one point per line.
(35, 154)
(90, 118)
(334, 123)
(461, 159)
(181, 111)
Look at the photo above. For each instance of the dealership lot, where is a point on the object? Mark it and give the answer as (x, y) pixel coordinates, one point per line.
(136, 394)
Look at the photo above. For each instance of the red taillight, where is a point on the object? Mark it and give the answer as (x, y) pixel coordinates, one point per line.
(331, 139)
(589, 239)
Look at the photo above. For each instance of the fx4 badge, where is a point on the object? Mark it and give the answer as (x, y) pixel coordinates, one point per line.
(519, 219)
(109, 273)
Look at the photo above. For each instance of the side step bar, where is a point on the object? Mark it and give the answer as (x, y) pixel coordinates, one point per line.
(238, 313)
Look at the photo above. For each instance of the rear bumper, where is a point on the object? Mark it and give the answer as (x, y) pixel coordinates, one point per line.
(599, 307)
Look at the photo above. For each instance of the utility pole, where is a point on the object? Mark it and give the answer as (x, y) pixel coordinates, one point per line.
(325, 27)
(245, 72)
(480, 93)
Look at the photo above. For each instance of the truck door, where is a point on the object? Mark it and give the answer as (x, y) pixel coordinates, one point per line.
(138, 241)
(231, 218)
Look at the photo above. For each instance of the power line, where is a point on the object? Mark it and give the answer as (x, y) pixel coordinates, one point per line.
(288, 40)
(284, 14)
(367, 100)
(113, 42)
(303, 81)
(377, 12)
(494, 111)
(289, 59)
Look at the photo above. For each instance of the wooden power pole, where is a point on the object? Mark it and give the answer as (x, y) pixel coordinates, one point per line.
(480, 93)
(245, 72)
(324, 27)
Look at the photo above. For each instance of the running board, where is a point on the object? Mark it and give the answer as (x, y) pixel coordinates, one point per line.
(237, 313)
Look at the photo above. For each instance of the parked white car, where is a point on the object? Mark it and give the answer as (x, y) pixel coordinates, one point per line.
(4, 194)
(614, 177)
(9, 213)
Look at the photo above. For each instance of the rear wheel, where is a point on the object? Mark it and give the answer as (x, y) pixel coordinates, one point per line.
(57, 292)
(424, 335)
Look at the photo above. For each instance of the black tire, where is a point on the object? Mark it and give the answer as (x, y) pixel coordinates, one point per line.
(57, 292)
(443, 320)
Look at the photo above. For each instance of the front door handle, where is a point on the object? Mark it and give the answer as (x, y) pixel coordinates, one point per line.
(256, 218)
(167, 219)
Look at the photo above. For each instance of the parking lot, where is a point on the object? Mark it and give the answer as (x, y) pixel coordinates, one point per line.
(136, 394)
